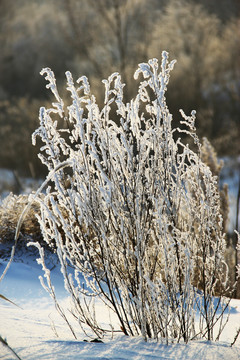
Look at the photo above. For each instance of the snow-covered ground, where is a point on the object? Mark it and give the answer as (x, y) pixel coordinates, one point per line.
(36, 331)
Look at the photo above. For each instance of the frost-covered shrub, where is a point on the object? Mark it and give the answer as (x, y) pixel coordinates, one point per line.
(133, 209)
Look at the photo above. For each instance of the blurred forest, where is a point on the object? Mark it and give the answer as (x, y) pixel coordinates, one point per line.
(97, 37)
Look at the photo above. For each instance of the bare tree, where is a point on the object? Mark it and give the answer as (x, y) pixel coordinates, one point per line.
(108, 34)
(199, 40)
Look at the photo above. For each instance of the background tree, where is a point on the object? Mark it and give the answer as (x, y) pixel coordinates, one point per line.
(113, 35)
(199, 40)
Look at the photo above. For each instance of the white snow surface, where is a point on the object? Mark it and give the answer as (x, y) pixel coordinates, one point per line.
(36, 331)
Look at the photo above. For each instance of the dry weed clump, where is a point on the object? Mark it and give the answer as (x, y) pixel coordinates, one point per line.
(209, 157)
(10, 210)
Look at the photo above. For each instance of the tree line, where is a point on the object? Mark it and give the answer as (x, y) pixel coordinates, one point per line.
(97, 37)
